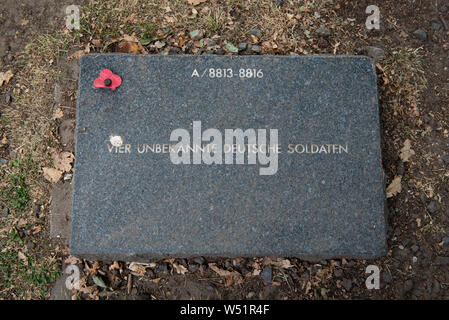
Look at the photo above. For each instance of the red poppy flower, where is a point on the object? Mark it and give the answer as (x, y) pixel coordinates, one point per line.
(107, 80)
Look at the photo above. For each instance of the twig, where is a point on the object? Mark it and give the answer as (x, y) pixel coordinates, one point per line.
(443, 21)
(130, 283)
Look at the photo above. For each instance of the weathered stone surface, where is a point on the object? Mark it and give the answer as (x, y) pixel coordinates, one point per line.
(61, 211)
(141, 205)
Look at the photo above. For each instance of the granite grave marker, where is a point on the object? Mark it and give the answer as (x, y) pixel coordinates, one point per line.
(227, 156)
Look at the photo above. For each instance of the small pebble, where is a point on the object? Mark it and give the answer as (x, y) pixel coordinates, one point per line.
(347, 284)
(420, 34)
(256, 48)
(256, 32)
(175, 50)
(432, 206)
(436, 26)
(199, 260)
(267, 274)
(242, 46)
(196, 35)
(338, 273)
(375, 52)
(323, 31)
(445, 241)
(408, 285)
(5, 212)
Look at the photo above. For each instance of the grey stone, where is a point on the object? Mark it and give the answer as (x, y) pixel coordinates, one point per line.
(267, 274)
(242, 46)
(445, 241)
(196, 35)
(338, 273)
(59, 290)
(279, 2)
(199, 260)
(61, 211)
(210, 42)
(255, 48)
(57, 94)
(135, 206)
(444, 9)
(441, 261)
(256, 32)
(5, 211)
(7, 98)
(175, 50)
(432, 206)
(420, 34)
(374, 52)
(386, 277)
(436, 26)
(415, 248)
(3, 161)
(408, 286)
(347, 284)
(67, 134)
(323, 31)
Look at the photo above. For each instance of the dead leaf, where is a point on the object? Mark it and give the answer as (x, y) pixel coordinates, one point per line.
(72, 260)
(231, 277)
(180, 269)
(79, 53)
(37, 229)
(62, 161)
(95, 267)
(5, 77)
(130, 18)
(137, 269)
(406, 151)
(58, 114)
(51, 174)
(22, 257)
(114, 266)
(280, 263)
(130, 44)
(195, 2)
(395, 187)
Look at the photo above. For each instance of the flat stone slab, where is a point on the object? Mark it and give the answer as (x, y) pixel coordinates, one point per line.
(310, 184)
(61, 211)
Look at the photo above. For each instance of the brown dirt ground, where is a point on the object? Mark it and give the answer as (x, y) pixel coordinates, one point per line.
(414, 94)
